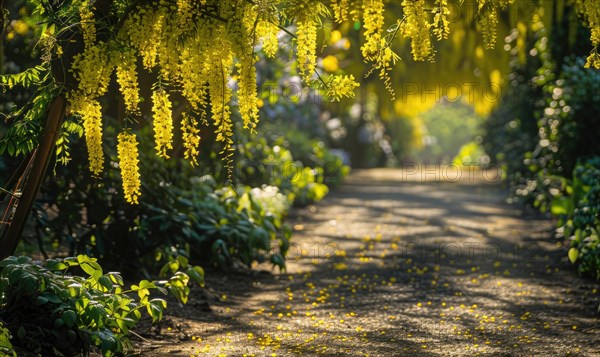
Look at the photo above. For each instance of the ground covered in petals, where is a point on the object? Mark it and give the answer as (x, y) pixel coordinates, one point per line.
(396, 264)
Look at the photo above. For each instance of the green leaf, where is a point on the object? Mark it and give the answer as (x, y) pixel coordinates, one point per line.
(56, 265)
(145, 284)
(155, 309)
(196, 274)
(165, 269)
(121, 323)
(21, 332)
(53, 298)
(143, 293)
(573, 255)
(71, 261)
(105, 282)
(578, 235)
(92, 268)
(277, 259)
(115, 278)
(41, 300)
(69, 317)
(183, 261)
(29, 283)
(561, 206)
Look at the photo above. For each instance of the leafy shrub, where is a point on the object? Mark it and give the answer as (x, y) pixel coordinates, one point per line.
(49, 312)
(545, 125)
(312, 152)
(223, 228)
(512, 130)
(263, 163)
(195, 219)
(579, 213)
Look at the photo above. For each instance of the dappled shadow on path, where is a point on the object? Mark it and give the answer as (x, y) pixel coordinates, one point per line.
(385, 267)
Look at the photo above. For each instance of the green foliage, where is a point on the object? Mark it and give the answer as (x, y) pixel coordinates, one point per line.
(301, 167)
(218, 226)
(30, 77)
(545, 125)
(469, 154)
(27, 121)
(313, 153)
(566, 132)
(261, 164)
(578, 210)
(27, 125)
(6, 348)
(449, 126)
(50, 312)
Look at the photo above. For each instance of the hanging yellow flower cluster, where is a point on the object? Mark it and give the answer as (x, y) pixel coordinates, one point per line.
(191, 138)
(163, 122)
(88, 27)
(267, 27)
(267, 32)
(128, 162)
(416, 27)
(91, 114)
(307, 44)
(589, 10)
(340, 10)
(91, 69)
(373, 25)
(128, 81)
(488, 19)
(441, 24)
(339, 87)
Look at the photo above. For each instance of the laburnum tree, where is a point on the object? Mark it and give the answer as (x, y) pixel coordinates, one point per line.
(194, 49)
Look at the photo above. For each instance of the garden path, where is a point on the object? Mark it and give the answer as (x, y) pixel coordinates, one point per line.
(396, 263)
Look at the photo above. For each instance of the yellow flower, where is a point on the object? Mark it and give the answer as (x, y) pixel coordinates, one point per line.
(163, 123)
(307, 45)
(440, 20)
(267, 32)
(92, 69)
(373, 24)
(416, 27)
(340, 10)
(247, 96)
(220, 95)
(128, 162)
(145, 28)
(91, 115)
(128, 81)
(590, 11)
(191, 138)
(339, 87)
(488, 20)
(88, 25)
(194, 72)
(20, 27)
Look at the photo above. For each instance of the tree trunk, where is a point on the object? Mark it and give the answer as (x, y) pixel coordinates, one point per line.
(9, 243)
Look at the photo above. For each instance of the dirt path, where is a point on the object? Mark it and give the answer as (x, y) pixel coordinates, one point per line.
(386, 267)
